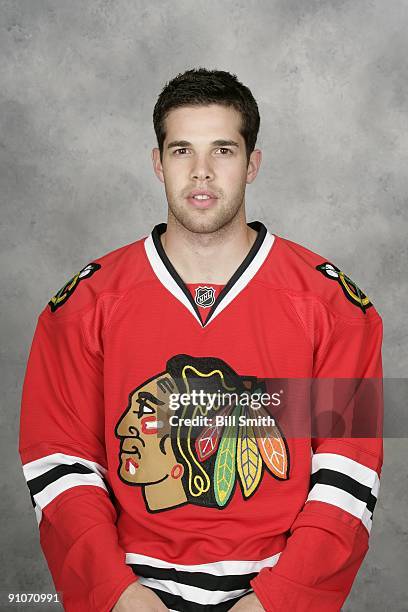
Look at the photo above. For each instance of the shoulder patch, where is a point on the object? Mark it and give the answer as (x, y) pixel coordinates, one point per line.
(349, 287)
(68, 289)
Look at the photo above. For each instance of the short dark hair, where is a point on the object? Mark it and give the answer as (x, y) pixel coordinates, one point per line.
(201, 87)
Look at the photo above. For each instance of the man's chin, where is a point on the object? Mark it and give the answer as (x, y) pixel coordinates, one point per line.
(204, 221)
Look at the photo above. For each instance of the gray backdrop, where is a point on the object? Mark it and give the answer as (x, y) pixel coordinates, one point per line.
(78, 83)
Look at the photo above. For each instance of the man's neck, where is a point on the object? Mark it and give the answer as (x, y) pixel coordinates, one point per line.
(208, 258)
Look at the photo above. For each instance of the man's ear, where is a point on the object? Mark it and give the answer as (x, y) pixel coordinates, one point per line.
(157, 165)
(254, 165)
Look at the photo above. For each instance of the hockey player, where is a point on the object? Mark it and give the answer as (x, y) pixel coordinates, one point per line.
(145, 499)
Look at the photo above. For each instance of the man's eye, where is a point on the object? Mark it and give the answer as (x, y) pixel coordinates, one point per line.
(224, 150)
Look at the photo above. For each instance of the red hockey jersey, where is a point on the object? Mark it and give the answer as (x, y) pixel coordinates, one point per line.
(132, 478)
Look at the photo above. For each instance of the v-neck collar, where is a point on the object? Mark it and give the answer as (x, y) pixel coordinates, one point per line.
(170, 278)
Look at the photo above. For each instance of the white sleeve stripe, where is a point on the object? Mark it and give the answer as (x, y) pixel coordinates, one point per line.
(38, 514)
(36, 468)
(341, 499)
(47, 495)
(359, 472)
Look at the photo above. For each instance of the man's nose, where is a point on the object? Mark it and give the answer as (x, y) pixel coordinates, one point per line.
(202, 169)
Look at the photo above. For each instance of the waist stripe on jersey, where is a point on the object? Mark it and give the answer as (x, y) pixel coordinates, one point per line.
(179, 604)
(345, 483)
(213, 586)
(53, 474)
(211, 582)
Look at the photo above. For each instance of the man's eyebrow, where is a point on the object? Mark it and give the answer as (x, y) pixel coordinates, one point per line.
(215, 143)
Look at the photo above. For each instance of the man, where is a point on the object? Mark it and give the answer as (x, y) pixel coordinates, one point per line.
(142, 503)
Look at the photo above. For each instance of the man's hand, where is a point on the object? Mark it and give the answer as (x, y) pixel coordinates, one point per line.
(249, 603)
(137, 598)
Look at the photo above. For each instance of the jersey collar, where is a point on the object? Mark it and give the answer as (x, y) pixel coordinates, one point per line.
(169, 277)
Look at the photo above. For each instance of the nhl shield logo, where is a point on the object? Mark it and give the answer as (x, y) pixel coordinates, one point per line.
(204, 296)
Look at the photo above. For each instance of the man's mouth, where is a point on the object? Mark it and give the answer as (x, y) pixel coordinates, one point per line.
(202, 198)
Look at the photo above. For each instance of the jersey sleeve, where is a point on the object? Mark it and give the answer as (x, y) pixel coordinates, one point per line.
(330, 536)
(63, 456)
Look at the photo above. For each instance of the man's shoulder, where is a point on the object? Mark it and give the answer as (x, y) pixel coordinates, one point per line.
(308, 275)
(104, 279)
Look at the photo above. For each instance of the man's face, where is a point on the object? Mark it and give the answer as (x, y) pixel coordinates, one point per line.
(204, 150)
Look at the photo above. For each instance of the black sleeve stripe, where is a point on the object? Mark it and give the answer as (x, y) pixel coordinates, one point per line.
(346, 483)
(40, 482)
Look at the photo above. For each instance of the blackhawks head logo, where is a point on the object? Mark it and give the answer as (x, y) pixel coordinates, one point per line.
(68, 289)
(350, 289)
(177, 459)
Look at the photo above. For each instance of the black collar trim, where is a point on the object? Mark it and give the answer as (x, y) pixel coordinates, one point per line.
(249, 266)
